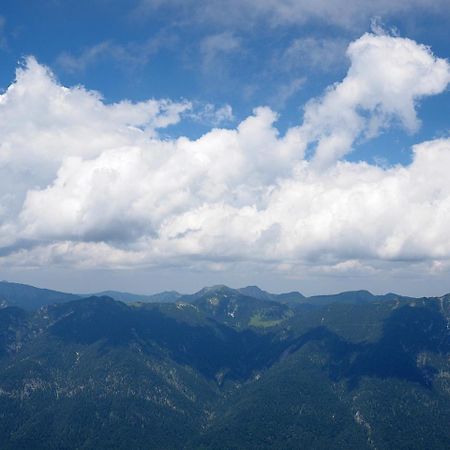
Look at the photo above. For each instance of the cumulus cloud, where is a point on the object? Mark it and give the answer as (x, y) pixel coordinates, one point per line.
(85, 183)
(209, 114)
(43, 124)
(387, 77)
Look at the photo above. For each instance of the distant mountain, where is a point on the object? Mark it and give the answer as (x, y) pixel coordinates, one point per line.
(165, 297)
(226, 371)
(207, 290)
(352, 297)
(231, 307)
(256, 292)
(293, 297)
(29, 297)
(126, 297)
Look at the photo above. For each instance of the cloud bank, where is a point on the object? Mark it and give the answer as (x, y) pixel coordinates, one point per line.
(84, 183)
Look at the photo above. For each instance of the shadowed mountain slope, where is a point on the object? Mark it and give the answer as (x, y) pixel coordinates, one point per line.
(29, 297)
(97, 373)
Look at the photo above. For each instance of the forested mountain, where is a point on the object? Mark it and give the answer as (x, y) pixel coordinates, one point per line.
(225, 370)
(29, 297)
(127, 297)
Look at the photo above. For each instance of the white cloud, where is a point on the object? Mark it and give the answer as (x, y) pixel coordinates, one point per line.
(214, 47)
(72, 63)
(319, 54)
(287, 91)
(343, 13)
(86, 184)
(211, 115)
(131, 55)
(386, 78)
(43, 124)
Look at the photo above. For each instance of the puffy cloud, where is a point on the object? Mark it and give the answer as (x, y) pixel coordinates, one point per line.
(43, 123)
(387, 77)
(85, 183)
(210, 115)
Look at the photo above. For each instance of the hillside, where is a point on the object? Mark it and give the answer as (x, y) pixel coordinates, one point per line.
(30, 297)
(226, 371)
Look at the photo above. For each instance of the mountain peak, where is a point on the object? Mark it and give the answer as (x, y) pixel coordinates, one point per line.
(256, 292)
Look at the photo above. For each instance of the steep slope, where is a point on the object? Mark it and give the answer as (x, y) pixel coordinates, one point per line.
(330, 392)
(14, 331)
(97, 373)
(232, 308)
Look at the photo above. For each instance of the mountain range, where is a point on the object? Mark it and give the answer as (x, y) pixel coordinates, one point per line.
(223, 369)
(30, 297)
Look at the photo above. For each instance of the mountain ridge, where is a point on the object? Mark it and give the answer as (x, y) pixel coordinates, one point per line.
(30, 297)
(99, 372)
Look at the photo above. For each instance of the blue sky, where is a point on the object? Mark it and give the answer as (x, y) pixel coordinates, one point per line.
(137, 50)
(215, 62)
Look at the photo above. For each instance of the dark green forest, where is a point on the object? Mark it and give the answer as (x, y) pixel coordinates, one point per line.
(223, 369)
